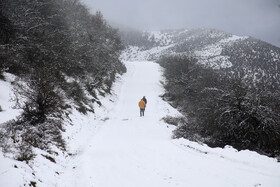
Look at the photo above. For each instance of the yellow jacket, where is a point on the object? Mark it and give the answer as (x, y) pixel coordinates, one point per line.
(142, 104)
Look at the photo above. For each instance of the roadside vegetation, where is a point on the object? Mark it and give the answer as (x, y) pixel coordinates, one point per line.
(63, 58)
(237, 106)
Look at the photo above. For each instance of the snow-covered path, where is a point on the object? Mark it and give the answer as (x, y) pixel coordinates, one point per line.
(133, 151)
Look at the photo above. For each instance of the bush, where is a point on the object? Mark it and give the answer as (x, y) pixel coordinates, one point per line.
(25, 153)
(174, 120)
(37, 95)
(20, 137)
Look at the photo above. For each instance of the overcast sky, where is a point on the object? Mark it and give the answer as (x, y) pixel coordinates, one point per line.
(257, 18)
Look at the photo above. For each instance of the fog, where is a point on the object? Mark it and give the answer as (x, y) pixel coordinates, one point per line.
(257, 18)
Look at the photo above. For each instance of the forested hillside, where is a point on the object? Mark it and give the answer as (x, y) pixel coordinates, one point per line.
(63, 58)
(132, 37)
(228, 87)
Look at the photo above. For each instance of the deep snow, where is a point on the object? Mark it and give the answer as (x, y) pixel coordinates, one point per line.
(115, 147)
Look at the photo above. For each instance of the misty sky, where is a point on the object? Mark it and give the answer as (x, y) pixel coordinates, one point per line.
(257, 18)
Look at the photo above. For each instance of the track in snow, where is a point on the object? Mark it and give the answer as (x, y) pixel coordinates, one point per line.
(130, 151)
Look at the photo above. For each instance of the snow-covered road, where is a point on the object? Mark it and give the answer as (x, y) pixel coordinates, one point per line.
(133, 151)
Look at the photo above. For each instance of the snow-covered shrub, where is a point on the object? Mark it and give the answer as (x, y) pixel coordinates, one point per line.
(185, 128)
(38, 96)
(24, 153)
(20, 137)
(174, 120)
(225, 106)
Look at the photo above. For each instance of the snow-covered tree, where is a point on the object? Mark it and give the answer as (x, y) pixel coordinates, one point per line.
(58, 51)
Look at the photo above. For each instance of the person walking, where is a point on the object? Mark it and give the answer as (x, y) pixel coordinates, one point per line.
(142, 106)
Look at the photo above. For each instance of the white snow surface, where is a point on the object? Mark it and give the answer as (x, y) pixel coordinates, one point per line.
(115, 147)
(211, 54)
(6, 95)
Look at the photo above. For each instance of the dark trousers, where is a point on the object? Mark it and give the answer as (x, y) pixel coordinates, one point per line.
(142, 112)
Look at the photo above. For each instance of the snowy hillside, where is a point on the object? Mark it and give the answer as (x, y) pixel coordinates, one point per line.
(116, 147)
(211, 47)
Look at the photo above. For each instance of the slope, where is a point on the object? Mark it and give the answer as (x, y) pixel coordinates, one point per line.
(129, 150)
